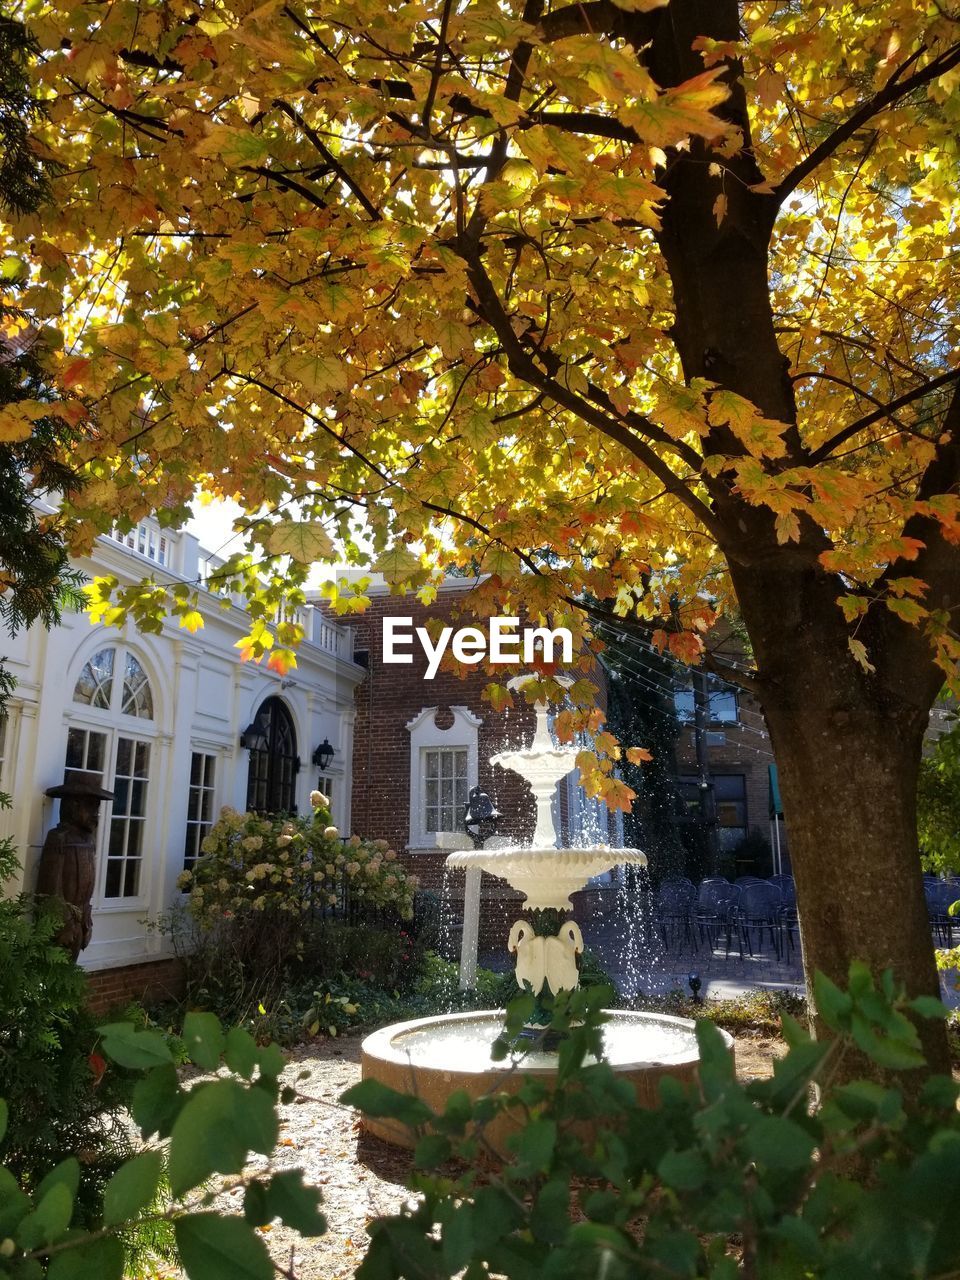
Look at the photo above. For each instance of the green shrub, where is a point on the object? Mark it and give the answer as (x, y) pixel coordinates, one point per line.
(261, 908)
(723, 1180)
(61, 1100)
(391, 959)
(198, 1131)
(756, 1010)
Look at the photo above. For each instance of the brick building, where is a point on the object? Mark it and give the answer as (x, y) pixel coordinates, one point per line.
(735, 760)
(739, 756)
(420, 744)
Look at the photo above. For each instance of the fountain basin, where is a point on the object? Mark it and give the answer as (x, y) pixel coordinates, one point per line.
(434, 1057)
(545, 875)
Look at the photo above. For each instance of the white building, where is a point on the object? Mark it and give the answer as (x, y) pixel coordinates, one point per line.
(161, 718)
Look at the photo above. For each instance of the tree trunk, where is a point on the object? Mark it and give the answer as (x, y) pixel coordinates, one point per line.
(848, 749)
(847, 741)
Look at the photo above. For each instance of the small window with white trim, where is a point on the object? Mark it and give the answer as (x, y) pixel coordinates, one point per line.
(200, 804)
(128, 814)
(443, 767)
(444, 788)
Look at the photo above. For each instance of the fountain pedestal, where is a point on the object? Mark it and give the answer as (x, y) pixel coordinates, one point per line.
(433, 1057)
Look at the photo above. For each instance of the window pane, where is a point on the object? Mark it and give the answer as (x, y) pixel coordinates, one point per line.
(132, 879)
(76, 748)
(723, 706)
(114, 871)
(127, 826)
(199, 805)
(96, 751)
(683, 704)
(135, 840)
(730, 786)
(137, 699)
(121, 795)
(138, 800)
(444, 788)
(96, 681)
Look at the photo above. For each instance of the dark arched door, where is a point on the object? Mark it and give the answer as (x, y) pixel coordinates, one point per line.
(271, 780)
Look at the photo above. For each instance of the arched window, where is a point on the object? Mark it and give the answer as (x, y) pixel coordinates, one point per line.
(271, 780)
(98, 687)
(114, 682)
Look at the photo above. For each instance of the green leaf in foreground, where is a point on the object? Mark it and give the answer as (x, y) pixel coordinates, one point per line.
(131, 1046)
(132, 1188)
(215, 1248)
(204, 1040)
(216, 1129)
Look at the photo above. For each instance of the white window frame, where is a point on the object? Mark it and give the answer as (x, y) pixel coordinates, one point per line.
(425, 736)
(443, 754)
(193, 825)
(114, 724)
(146, 539)
(130, 821)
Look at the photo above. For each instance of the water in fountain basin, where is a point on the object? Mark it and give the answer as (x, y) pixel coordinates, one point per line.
(465, 1044)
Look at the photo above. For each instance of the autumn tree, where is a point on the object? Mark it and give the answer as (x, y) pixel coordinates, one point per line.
(651, 304)
(35, 575)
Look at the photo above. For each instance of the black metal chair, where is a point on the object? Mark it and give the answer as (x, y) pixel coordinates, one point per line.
(674, 911)
(788, 889)
(759, 909)
(940, 896)
(715, 911)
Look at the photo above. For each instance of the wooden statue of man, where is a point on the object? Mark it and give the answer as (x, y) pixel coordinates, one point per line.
(68, 861)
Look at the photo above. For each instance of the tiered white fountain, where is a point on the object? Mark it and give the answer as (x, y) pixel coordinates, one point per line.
(432, 1057)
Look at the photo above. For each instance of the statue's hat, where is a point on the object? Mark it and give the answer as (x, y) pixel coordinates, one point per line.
(78, 783)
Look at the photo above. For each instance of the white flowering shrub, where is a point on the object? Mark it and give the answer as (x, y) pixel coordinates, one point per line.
(254, 867)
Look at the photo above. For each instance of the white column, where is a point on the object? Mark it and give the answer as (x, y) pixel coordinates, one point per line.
(470, 941)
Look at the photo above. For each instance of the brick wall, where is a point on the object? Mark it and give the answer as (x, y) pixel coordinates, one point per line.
(743, 751)
(389, 697)
(150, 983)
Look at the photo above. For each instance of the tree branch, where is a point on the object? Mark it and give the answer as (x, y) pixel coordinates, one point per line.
(821, 453)
(292, 114)
(908, 668)
(599, 17)
(894, 89)
(522, 365)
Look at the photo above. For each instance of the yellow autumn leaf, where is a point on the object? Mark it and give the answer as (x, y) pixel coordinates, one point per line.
(859, 651)
(305, 541)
